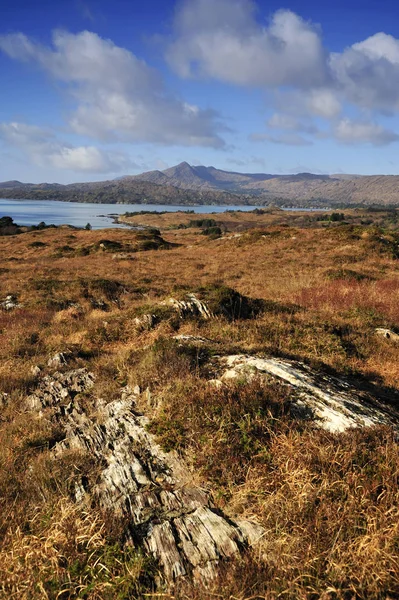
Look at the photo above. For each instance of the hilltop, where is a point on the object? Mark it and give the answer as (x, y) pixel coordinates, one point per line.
(298, 189)
(189, 185)
(186, 176)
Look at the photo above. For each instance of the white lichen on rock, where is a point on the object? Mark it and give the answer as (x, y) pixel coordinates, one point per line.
(334, 404)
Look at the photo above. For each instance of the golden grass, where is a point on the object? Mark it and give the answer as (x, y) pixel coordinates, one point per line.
(328, 502)
(66, 554)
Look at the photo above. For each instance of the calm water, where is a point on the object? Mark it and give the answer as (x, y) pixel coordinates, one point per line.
(52, 212)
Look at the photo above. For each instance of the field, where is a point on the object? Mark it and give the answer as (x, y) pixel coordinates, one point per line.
(323, 282)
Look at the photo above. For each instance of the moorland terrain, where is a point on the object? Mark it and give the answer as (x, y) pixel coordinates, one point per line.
(88, 331)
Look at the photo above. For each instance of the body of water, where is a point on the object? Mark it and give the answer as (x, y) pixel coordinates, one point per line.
(52, 212)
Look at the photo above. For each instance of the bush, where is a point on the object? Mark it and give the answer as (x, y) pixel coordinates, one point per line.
(109, 246)
(213, 232)
(37, 245)
(202, 223)
(110, 289)
(225, 301)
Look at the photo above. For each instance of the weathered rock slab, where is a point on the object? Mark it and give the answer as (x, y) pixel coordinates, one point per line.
(58, 390)
(168, 515)
(334, 404)
(388, 334)
(10, 303)
(191, 306)
(145, 322)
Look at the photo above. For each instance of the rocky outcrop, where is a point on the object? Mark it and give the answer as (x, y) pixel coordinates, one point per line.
(123, 256)
(145, 322)
(168, 516)
(218, 301)
(333, 404)
(3, 399)
(57, 391)
(58, 360)
(194, 339)
(10, 303)
(191, 306)
(388, 334)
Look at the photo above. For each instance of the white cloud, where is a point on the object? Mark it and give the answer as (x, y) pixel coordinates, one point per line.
(367, 73)
(118, 96)
(360, 132)
(323, 103)
(222, 39)
(344, 131)
(83, 158)
(288, 139)
(379, 46)
(248, 162)
(226, 40)
(290, 123)
(314, 103)
(44, 149)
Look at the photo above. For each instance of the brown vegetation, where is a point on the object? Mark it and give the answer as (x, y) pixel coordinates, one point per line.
(328, 502)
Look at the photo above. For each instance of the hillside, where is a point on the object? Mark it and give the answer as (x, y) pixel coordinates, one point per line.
(189, 185)
(125, 191)
(193, 412)
(299, 189)
(186, 176)
(368, 190)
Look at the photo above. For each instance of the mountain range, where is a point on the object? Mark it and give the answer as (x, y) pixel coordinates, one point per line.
(186, 176)
(189, 185)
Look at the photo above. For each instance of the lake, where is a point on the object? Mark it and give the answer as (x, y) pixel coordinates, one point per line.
(52, 212)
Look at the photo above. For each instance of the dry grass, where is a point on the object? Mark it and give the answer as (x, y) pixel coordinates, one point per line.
(66, 553)
(328, 502)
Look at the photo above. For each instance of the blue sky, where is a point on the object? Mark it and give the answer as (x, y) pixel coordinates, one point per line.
(94, 90)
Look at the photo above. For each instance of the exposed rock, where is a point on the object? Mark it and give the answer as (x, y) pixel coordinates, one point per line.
(110, 246)
(387, 334)
(193, 338)
(123, 256)
(99, 304)
(191, 306)
(145, 322)
(217, 301)
(10, 303)
(334, 404)
(3, 399)
(58, 360)
(168, 516)
(35, 370)
(59, 389)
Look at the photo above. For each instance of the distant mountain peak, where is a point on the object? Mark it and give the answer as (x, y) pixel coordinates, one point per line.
(12, 183)
(210, 179)
(189, 185)
(181, 167)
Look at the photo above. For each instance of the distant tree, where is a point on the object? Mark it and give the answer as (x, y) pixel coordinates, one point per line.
(88, 227)
(6, 221)
(335, 216)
